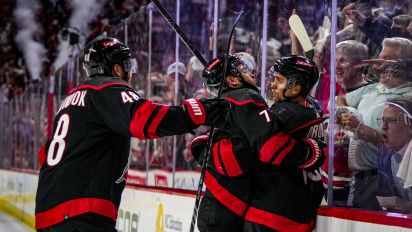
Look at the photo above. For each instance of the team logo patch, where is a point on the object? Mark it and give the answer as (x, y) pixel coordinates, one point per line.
(304, 63)
(213, 64)
(110, 43)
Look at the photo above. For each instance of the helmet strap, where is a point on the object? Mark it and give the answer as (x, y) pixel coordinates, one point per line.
(288, 99)
(248, 85)
(291, 82)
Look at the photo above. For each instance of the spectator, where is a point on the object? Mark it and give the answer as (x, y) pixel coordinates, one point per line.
(377, 30)
(176, 93)
(348, 75)
(194, 77)
(176, 96)
(367, 100)
(396, 124)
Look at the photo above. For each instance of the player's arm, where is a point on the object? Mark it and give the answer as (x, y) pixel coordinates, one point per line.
(260, 134)
(275, 146)
(126, 113)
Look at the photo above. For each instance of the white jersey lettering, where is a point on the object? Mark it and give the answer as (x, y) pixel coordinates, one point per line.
(69, 100)
(75, 99)
(81, 101)
(134, 95)
(196, 109)
(61, 106)
(316, 131)
(126, 98)
(265, 112)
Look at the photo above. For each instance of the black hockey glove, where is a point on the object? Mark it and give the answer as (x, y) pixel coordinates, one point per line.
(198, 147)
(209, 112)
(315, 155)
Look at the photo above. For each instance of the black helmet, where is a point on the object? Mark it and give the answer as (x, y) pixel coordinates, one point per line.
(213, 72)
(103, 54)
(298, 70)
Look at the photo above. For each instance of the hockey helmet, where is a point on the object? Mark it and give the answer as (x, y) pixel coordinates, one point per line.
(213, 72)
(298, 70)
(103, 54)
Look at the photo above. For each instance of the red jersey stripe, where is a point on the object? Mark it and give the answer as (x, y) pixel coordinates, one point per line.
(140, 118)
(275, 221)
(85, 86)
(272, 145)
(42, 155)
(156, 121)
(73, 208)
(229, 159)
(284, 152)
(313, 122)
(216, 160)
(224, 196)
(240, 103)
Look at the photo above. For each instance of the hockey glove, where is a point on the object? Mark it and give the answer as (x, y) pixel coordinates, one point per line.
(198, 146)
(209, 112)
(316, 157)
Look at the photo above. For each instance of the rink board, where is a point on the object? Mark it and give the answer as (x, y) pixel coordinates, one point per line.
(161, 209)
(17, 194)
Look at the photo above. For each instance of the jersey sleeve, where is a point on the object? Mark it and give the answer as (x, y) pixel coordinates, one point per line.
(124, 112)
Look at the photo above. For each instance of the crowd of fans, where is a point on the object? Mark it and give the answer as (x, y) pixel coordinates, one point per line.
(53, 16)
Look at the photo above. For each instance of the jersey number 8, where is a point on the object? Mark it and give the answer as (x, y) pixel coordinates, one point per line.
(54, 157)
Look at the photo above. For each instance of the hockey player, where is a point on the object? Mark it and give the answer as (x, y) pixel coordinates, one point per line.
(84, 165)
(239, 147)
(287, 198)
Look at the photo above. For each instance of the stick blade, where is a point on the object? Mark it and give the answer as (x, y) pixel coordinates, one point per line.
(298, 28)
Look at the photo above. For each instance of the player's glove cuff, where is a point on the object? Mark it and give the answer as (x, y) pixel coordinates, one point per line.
(195, 110)
(197, 146)
(316, 157)
(209, 112)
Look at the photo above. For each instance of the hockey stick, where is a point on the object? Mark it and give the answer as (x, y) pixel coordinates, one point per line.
(179, 31)
(195, 52)
(298, 28)
(212, 129)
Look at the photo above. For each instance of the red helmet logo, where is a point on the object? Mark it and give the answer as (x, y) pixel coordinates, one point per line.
(304, 63)
(213, 64)
(110, 43)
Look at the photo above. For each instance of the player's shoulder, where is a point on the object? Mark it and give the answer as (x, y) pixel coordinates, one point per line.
(288, 106)
(104, 84)
(245, 96)
(290, 110)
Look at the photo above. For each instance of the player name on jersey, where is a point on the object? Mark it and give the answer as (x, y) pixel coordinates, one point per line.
(75, 99)
(316, 131)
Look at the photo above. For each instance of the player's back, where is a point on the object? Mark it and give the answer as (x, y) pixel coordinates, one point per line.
(85, 161)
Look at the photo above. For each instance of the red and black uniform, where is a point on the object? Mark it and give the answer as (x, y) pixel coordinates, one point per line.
(84, 164)
(251, 135)
(287, 198)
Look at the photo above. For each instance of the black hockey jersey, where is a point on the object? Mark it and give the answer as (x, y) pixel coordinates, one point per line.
(250, 136)
(84, 164)
(287, 198)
